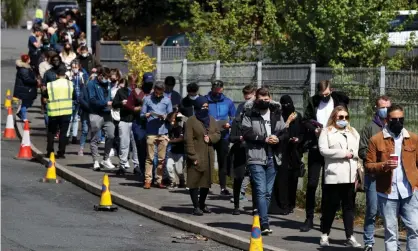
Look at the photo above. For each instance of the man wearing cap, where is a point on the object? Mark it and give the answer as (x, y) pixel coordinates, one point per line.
(155, 109)
(223, 110)
(60, 95)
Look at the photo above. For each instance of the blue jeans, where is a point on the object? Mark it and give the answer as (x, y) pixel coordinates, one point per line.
(408, 210)
(371, 210)
(73, 128)
(263, 180)
(24, 108)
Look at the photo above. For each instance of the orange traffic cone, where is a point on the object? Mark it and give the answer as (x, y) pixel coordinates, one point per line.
(9, 132)
(51, 175)
(25, 151)
(106, 197)
(256, 242)
(8, 101)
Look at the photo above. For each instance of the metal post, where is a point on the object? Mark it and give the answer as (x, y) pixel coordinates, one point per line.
(259, 74)
(88, 24)
(382, 80)
(184, 78)
(313, 79)
(218, 70)
(159, 63)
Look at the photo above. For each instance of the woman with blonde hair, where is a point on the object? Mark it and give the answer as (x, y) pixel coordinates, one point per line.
(339, 143)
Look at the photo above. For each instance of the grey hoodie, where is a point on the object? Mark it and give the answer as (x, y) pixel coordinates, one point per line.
(255, 134)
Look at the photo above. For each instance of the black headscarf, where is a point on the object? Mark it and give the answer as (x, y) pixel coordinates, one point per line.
(202, 114)
(287, 106)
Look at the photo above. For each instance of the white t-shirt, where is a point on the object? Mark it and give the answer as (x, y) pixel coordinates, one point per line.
(324, 111)
(267, 125)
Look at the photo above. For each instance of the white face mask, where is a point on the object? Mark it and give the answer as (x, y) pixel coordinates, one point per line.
(193, 97)
(84, 54)
(75, 70)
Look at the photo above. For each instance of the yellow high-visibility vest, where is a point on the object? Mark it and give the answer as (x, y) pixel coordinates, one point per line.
(39, 14)
(60, 97)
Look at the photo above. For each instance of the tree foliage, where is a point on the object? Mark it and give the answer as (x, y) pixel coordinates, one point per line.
(138, 61)
(13, 11)
(228, 30)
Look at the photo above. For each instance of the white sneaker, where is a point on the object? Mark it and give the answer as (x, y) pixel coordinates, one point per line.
(112, 152)
(107, 164)
(127, 165)
(96, 165)
(352, 242)
(324, 242)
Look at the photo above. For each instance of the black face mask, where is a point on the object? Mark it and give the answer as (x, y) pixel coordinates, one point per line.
(395, 126)
(56, 64)
(262, 105)
(288, 109)
(326, 99)
(158, 98)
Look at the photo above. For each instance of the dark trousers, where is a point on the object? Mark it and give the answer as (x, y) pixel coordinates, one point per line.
(293, 179)
(335, 195)
(222, 149)
(315, 166)
(55, 123)
(282, 182)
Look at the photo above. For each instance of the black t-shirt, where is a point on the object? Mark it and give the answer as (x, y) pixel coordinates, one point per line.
(176, 132)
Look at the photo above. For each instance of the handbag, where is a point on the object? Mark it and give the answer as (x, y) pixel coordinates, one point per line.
(359, 181)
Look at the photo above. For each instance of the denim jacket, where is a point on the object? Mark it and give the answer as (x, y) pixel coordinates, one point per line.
(156, 126)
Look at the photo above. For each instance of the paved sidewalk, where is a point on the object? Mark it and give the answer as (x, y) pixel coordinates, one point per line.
(286, 235)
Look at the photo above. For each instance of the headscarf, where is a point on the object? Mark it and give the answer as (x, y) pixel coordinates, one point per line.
(287, 106)
(202, 114)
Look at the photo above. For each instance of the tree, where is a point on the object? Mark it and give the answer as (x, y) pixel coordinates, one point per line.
(334, 32)
(228, 30)
(13, 11)
(138, 61)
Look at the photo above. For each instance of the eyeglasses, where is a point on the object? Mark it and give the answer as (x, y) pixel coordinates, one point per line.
(342, 117)
(397, 119)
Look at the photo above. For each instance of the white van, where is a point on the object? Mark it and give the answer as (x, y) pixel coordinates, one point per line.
(409, 20)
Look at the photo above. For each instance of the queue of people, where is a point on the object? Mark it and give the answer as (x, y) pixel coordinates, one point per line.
(172, 141)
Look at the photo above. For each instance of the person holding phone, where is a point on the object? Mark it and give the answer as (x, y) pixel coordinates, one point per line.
(201, 133)
(392, 156)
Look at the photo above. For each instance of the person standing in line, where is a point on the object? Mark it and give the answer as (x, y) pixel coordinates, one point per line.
(115, 77)
(100, 117)
(155, 109)
(50, 76)
(170, 93)
(223, 110)
(60, 95)
(285, 185)
(125, 126)
(263, 131)
(201, 133)
(188, 102)
(175, 155)
(316, 116)
(239, 163)
(338, 144)
(375, 126)
(392, 156)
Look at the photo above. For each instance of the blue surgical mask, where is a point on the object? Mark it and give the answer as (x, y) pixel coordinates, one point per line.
(382, 112)
(342, 123)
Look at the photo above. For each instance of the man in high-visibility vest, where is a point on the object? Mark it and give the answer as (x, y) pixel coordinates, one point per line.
(60, 95)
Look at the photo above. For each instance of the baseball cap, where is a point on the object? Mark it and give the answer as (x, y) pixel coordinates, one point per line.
(148, 78)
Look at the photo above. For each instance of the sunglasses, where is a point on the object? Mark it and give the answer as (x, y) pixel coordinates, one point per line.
(397, 119)
(342, 117)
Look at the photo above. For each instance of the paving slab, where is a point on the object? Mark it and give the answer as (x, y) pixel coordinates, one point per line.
(174, 207)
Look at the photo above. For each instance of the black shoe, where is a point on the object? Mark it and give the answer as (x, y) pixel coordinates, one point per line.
(265, 229)
(236, 211)
(60, 156)
(74, 141)
(225, 191)
(284, 212)
(369, 248)
(197, 212)
(206, 210)
(307, 225)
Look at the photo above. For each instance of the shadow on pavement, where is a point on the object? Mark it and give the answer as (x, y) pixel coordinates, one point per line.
(179, 210)
(231, 225)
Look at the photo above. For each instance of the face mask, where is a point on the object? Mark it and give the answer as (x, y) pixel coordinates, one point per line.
(71, 33)
(67, 49)
(326, 99)
(395, 127)
(382, 113)
(84, 55)
(289, 108)
(55, 63)
(159, 97)
(342, 123)
(104, 81)
(75, 70)
(216, 95)
(202, 113)
(262, 105)
(193, 97)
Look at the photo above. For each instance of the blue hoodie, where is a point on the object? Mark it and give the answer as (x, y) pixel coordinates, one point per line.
(221, 109)
(98, 101)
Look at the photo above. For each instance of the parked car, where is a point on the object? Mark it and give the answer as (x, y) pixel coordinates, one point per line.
(177, 40)
(55, 8)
